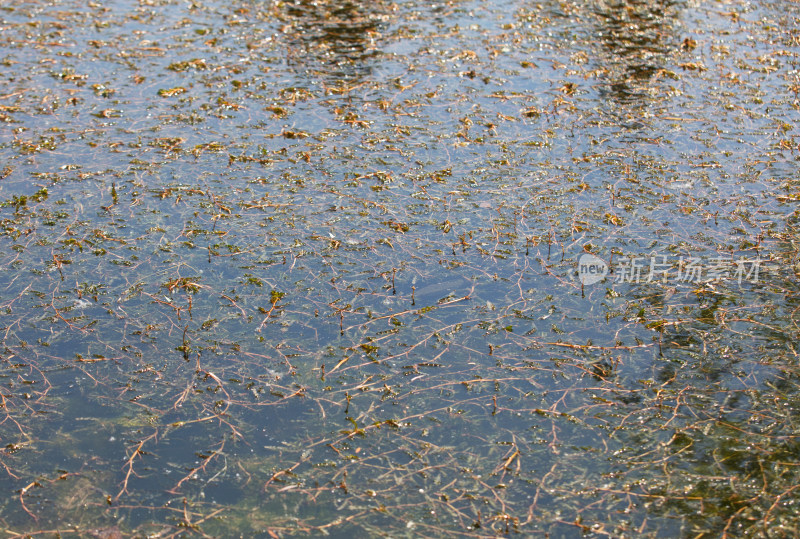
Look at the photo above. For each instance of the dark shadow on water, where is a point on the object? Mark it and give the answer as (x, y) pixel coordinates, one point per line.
(335, 39)
(635, 40)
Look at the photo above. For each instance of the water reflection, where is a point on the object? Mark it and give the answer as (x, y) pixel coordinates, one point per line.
(635, 38)
(333, 38)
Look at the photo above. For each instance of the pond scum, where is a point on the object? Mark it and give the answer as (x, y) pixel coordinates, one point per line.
(303, 268)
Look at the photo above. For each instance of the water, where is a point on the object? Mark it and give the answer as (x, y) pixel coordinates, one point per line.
(282, 269)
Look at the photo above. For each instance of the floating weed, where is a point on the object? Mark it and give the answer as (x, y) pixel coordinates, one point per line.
(314, 269)
(171, 92)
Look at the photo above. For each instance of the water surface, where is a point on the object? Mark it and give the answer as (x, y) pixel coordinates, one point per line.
(297, 268)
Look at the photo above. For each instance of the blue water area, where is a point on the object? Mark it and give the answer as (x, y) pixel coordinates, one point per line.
(276, 269)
